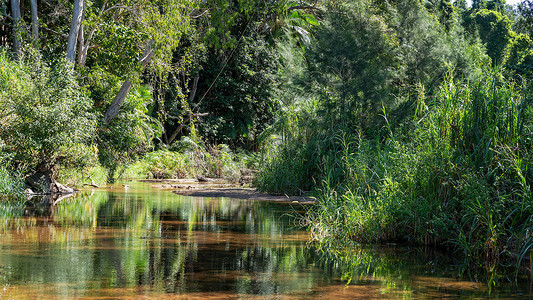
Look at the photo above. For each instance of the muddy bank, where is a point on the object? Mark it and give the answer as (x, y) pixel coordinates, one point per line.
(240, 193)
(216, 187)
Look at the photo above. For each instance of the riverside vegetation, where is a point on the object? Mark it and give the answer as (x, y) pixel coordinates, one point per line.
(409, 121)
(427, 143)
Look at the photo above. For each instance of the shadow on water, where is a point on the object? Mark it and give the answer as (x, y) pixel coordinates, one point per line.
(155, 244)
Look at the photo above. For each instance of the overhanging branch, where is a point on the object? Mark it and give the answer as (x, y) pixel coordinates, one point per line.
(303, 7)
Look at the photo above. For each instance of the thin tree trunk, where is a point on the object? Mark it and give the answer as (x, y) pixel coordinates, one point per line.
(112, 111)
(77, 15)
(194, 88)
(114, 108)
(34, 21)
(182, 125)
(81, 47)
(85, 44)
(15, 10)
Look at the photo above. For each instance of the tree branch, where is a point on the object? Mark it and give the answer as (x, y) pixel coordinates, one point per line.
(198, 16)
(303, 7)
(114, 108)
(64, 36)
(182, 125)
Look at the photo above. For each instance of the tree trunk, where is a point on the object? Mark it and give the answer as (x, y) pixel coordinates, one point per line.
(190, 117)
(15, 10)
(43, 182)
(194, 88)
(85, 44)
(74, 30)
(81, 48)
(34, 21)
(114, 108)
(112, 111)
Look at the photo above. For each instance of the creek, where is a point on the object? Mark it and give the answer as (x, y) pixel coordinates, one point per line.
(149, 243)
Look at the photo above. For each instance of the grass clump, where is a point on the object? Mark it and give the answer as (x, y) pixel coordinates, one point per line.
(458, 174)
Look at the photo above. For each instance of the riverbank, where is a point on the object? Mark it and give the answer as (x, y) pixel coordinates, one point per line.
(216, 187)
(241, 193)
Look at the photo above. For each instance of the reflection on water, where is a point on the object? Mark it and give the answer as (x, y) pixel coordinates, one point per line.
(149, 243)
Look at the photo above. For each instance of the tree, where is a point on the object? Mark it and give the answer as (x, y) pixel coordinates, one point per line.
(362, 57)
(495, 32)
(520, 48)
(162, 26)
(524, 22)
(44, 112)
(353, 64)
(238, 95)
(461, 4)
(114, 108)
(497, 5)
(220, 76)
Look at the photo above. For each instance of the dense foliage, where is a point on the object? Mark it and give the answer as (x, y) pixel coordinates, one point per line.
(409, 120)
(44, 111)
(143, 73)
(417, 129)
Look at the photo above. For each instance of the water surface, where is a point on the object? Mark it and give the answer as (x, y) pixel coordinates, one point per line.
(149, 243)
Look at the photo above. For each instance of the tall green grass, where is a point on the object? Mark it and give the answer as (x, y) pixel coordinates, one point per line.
(459, 177)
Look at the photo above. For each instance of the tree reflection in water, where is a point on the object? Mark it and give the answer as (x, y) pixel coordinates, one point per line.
(152, 243)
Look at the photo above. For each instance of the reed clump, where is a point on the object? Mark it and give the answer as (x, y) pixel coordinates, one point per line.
(457, 174)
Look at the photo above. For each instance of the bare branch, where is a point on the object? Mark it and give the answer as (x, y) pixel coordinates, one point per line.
(118, 7)
(303, 7)
(200, 15)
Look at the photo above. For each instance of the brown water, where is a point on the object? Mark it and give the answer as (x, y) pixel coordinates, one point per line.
(146, 243)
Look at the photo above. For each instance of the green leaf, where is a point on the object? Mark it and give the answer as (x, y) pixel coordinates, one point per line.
(294, 15)
(311, 20)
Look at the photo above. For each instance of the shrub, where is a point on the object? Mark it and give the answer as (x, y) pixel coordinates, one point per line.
(161, 164)
(44, 111)
(11, 187)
